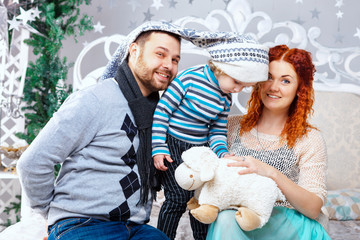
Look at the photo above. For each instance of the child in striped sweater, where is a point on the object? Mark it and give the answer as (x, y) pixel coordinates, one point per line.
(193, 112)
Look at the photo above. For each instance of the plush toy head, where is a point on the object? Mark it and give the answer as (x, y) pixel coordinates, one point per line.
(194, 173)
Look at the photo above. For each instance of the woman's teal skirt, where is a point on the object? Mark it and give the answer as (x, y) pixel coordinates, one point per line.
(284, 223)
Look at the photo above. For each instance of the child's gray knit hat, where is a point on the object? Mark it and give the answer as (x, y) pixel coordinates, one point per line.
(241, 58)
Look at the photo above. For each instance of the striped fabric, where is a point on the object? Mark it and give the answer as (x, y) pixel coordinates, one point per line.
(176, 198)
(193, 109)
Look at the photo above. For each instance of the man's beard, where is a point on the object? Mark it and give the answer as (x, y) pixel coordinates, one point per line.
(146, 75)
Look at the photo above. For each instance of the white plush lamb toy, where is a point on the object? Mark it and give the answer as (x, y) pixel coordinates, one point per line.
(218, 187)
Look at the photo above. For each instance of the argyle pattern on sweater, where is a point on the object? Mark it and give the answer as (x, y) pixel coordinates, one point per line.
(129, 183)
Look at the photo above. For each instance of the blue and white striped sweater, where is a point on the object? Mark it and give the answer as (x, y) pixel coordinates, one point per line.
(193, 109)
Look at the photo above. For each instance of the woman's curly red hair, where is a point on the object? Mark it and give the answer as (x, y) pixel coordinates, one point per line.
(297, 124)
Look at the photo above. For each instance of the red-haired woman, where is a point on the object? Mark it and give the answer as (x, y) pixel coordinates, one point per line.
(275, 139)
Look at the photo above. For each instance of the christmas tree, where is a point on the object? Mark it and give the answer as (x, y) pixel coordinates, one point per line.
(45, 84)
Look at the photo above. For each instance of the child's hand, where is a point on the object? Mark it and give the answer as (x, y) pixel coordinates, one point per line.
(159, 161)
(229, 155)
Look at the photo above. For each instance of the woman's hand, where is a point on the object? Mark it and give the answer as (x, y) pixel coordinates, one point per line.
(304, 201)
(159, 161)
(252, 165)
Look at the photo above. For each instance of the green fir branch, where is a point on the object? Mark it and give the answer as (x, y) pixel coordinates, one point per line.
(14, 207)
(41, 95)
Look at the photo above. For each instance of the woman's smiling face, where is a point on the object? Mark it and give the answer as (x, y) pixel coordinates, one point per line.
(279, 91)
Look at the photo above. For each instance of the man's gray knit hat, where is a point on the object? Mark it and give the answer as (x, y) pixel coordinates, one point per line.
(238, 55)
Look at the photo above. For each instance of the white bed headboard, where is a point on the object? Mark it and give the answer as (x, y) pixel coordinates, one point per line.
(81, 80)
(337, 68)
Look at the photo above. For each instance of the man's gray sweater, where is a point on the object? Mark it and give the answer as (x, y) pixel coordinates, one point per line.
(94, 137)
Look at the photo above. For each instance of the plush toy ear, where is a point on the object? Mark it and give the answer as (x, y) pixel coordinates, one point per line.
(193, 157)
(203, 160)
(207, 173)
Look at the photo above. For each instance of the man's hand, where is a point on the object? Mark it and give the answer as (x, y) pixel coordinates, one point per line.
(159, 161)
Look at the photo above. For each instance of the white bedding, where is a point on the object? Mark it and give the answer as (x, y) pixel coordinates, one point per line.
(344, 230)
